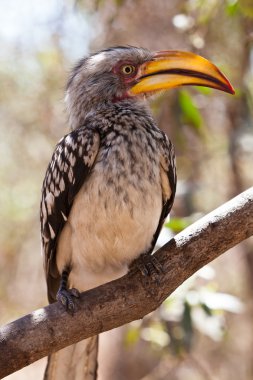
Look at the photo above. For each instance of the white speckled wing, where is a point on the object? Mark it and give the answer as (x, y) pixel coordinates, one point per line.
(70, 166)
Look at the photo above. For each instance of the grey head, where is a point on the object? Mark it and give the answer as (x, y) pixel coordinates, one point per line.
(130, 73)
(101, 79)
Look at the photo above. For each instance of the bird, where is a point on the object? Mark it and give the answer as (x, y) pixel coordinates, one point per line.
(111, 181)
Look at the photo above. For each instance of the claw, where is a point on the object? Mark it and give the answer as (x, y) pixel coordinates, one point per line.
(75, 293)
(65, 297)
(148, 265)
(156, 265)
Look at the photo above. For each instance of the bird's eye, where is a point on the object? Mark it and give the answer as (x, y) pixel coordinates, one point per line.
(127, 69)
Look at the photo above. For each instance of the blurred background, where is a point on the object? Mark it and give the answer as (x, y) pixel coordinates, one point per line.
(204, 330)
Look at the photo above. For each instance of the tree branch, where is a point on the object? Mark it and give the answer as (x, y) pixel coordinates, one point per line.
(131, 297)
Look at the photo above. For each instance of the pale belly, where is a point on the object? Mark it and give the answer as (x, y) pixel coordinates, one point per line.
(106, 231)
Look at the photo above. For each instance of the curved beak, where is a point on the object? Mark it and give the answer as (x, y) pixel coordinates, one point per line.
(173, 68)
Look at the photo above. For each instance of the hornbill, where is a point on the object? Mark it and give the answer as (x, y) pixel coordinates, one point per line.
(112, 180)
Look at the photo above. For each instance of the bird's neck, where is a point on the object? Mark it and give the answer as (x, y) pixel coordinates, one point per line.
(79, 114)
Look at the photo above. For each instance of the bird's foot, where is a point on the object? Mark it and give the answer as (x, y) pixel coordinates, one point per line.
(148, 265)
(67, 298)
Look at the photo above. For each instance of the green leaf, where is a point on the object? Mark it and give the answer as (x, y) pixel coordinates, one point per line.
(232, 7)
(190, 112)
(132, 336)
(203, 90)
(178, 224)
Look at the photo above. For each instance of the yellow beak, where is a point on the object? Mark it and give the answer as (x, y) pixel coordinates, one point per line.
(170, 69)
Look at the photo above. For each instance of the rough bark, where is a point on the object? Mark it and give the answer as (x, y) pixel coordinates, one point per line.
(131, 297)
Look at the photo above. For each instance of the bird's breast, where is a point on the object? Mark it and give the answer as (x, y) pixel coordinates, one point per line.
(117, 211)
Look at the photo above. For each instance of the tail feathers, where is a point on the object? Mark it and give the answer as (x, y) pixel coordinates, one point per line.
(76, 362)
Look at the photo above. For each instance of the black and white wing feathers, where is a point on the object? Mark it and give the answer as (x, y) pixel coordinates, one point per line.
(168, 178)
(71, 163)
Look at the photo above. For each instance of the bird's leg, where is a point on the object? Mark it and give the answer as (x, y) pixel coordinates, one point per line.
(65, 295)
(147, 264)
